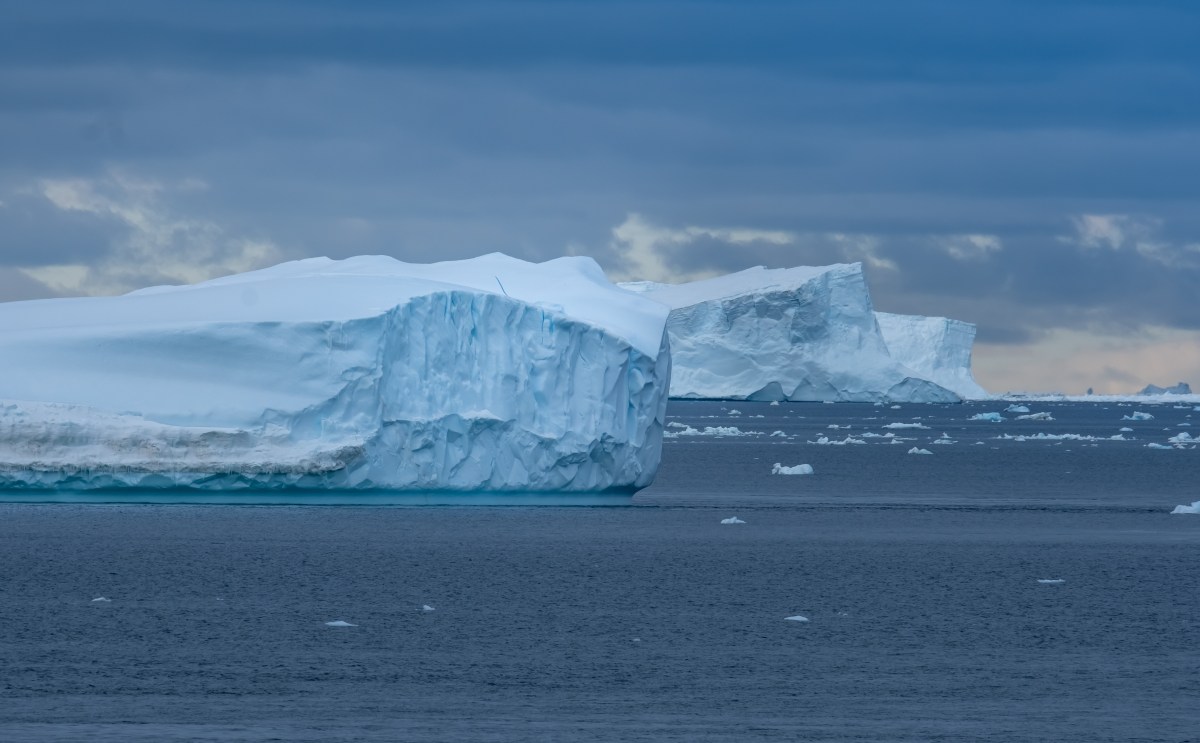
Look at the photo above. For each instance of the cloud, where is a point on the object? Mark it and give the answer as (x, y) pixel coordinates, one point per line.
(645, 251)
(970, 247)
(156, 245)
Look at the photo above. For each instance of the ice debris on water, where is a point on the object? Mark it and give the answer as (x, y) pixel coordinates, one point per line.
(1050, 581)
(1016, 409)
(732, 520)
(915, 450)
(708, 431)
(777, 434)
(426, 607)
(1138, 415)
(1154, 445)
(991, 417)
(799, 469)
(339, 623)
(1194, 508)
(796, 618)
(101, 599)
(826, 441)
(1183, 438)
(1036, 417)
(1126, 429)
(774, 403)
(906, 425)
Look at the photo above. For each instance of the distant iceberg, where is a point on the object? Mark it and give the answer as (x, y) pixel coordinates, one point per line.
(1181, 388)
(936, 348)
(803, 334)
(490, 374)
(1192, 509)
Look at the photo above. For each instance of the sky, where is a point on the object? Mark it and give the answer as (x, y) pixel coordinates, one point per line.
(1029, 166)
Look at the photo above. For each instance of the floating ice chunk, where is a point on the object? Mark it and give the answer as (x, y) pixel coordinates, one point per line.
(1036, 417)
(796, 618)
(915, 450)
(945, 440)
(1194, 508)
(637, 639)
(426, 607)
(708, 431)
(1016, 409)
(1117, 437)
(834, 425)
(826, 441)
(1126, 429)
(799, 469)
(732, 520)
(897, 407)
(906, 425)
(992, 417)
(1154, 445)
(1182, 425)
(1051, 581)
(1138, 415)
(735, 412)
(676, 424)
(101, 599)
(777, 434)
(339, 623)
(774, 403)
(1183, 438)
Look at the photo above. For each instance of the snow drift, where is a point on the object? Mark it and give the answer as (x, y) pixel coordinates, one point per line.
(936, 348)
(489, 374)
(805, 333)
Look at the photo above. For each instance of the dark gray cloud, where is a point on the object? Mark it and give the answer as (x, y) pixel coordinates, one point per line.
(442, 130)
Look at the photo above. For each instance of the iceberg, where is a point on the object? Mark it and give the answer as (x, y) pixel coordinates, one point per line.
(936, 348)
(799, 469)
(491, 374)
(1184, 509)
(800, 334)
(1179, 388)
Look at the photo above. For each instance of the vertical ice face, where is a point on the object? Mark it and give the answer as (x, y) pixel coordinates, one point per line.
(806, 333)
(491, 374)
(936, 348)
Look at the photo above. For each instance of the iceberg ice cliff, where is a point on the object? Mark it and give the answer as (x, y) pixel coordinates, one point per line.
(490, 374)
(805, 333)
(936, 348)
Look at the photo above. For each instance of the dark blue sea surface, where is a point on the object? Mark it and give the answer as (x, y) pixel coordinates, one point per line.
(918, 574)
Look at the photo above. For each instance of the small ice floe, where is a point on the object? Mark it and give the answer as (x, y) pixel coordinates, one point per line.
(826, 441)
(774, 403)
(1194, 508)
(778, 434)
(1126, 429)
(101, 599)
(915, 450)
(339, 623)
(709, 431)
(796, 618)
(675, 424)
(426, 607)
(1156, 445)
(1036, 417)
(897, 407)
(732, 520)
(799, 469)
(1050, 581)
(991, 417)
(638, 639)
(945, 440)
(1183, 437)
(1137, 415)
(1184, 425)
(735, 412)
(1014, 408)
(834, 425)
(906, 425)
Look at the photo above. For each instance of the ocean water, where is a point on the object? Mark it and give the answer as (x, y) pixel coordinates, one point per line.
(919, 575)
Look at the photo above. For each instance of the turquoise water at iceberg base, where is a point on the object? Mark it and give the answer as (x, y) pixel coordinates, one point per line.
(922, 578)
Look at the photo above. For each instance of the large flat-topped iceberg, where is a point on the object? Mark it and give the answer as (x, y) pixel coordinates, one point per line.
(806, 333)
(491, 374)
(936, 348)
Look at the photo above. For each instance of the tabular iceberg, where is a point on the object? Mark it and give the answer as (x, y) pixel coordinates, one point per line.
(490, 374)
(936, 348)
(805, 333)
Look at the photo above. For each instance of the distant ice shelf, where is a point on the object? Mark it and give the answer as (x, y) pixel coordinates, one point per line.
(490, 374)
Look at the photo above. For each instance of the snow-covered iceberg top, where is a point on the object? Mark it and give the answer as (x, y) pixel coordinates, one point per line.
(805, 333)
(488, 374)
(936, 348)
